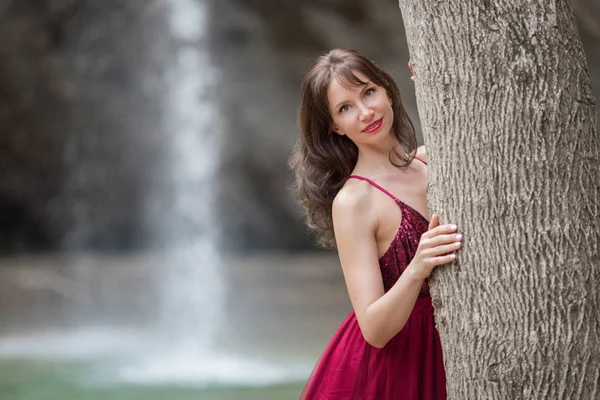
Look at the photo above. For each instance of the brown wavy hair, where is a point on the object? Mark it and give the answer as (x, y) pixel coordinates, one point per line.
(322, 160)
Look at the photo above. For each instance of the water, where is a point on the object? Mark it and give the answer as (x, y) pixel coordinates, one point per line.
(109, 357)
(26, 380)
(192, 287)
(278, 313)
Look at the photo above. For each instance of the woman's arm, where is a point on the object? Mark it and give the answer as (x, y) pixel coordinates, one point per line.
(380, 315)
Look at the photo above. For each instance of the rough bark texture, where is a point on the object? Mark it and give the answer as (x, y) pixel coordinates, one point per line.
(508, 117)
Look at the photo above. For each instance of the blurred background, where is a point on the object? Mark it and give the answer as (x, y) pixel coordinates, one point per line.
(149, 244)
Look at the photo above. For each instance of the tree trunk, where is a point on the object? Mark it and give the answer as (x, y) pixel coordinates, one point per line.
(508, 118)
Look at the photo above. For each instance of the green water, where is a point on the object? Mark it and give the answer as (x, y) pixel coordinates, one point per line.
(42, 380)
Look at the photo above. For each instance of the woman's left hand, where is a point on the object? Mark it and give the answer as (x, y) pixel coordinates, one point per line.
(412, 71)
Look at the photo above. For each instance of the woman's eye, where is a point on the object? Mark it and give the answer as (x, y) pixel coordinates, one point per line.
(344, 108)
(369, 92)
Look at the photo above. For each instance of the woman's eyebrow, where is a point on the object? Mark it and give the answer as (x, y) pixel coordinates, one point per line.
(339, 104)
(364, 87)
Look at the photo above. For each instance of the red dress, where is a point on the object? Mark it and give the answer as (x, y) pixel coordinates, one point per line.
(410, 366)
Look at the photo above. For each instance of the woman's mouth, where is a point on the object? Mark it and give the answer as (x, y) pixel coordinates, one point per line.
(374, 126)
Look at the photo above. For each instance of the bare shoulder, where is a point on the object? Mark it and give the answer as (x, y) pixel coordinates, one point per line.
(352, 200)
(422, 153)
(352, 209)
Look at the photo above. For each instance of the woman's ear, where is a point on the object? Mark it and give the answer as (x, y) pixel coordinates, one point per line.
(337, 130)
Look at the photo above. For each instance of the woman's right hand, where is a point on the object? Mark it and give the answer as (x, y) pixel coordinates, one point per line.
(436, 247)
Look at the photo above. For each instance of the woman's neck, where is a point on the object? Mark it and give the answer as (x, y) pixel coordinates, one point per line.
(374, 161)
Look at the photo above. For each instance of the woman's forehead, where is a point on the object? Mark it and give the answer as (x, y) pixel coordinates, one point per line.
(339, 87)
(350, 79)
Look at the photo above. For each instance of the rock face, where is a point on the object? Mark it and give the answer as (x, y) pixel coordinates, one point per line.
(82, 89)
(76, 116)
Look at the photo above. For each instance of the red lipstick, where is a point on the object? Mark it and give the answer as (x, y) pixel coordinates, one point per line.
(374, 126)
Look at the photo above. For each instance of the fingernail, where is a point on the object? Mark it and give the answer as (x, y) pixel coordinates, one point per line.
(459, 236)
(453, 227)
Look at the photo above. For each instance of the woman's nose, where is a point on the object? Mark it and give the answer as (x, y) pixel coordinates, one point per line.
(365, 113)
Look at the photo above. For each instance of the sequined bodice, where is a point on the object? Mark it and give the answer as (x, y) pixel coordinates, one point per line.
(402, 249)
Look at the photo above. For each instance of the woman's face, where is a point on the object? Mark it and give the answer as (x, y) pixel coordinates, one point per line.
(363, 113)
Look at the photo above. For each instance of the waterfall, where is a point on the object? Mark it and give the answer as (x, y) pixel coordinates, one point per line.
(192, 285)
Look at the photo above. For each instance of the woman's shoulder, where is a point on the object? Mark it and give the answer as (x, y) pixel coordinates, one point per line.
(354, 197)
(352, 209)
(422, 153)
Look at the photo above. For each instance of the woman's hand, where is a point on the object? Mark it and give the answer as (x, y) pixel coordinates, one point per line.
(412, 71)
(437, 246)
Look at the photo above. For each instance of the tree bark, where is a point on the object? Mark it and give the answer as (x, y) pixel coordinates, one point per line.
(508, 117)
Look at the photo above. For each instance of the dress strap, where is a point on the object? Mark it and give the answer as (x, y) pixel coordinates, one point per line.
(362, 178)
(421, 160)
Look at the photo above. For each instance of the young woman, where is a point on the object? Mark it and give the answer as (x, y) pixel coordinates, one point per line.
(362, 183)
